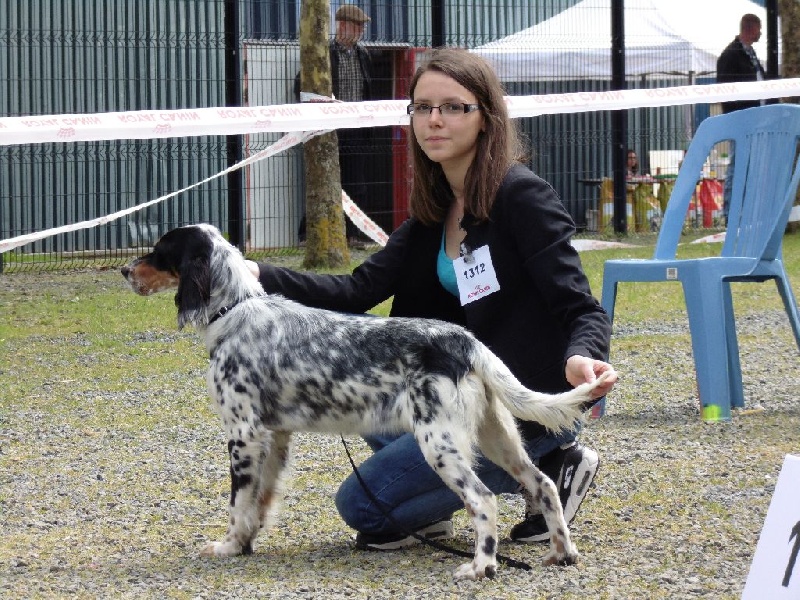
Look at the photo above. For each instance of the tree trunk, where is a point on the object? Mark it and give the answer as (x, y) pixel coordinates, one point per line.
(326, 244)
(789, 11)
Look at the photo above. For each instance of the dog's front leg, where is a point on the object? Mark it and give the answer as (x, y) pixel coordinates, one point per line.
(246, 456)
(274, 473)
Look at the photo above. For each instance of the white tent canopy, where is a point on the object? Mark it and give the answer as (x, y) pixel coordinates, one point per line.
(662, 38)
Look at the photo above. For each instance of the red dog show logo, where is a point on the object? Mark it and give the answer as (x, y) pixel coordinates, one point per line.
(478, 291)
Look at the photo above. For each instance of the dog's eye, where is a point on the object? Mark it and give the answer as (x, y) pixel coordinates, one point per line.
(159, 261)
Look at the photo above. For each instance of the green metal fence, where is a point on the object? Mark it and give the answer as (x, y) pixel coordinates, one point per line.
(73, 56)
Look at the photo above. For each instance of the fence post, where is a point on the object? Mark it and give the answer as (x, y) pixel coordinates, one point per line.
(437, 23)
(234, 143)
(619, 118)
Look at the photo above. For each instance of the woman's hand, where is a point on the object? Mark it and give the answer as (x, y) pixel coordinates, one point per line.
(253, 266)
(581, 369)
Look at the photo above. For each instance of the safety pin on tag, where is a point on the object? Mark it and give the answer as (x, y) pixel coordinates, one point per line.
(466, 254)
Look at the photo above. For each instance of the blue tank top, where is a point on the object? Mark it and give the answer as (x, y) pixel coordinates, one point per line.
(445, 270)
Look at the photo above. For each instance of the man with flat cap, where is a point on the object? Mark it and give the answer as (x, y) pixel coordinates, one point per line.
(350, 61)
(351, 81)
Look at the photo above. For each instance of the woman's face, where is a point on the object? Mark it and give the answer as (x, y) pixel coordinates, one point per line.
(448, 139)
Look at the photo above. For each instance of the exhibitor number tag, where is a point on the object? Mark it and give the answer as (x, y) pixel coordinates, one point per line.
(475, 275)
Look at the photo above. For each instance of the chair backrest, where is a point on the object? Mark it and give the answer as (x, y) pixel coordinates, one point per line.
(765, 178)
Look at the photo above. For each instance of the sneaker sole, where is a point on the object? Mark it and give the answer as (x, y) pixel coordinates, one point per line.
(437, 531)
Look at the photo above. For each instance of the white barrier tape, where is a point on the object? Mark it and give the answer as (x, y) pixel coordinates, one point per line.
(311, 119)
(526, 106)
(312, 116)
(582, 245)
(366, 225)
(353, 212)
(282, 144)
(711, 239)
(150, 124)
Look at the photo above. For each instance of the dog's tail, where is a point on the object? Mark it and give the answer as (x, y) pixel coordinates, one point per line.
(557, 412)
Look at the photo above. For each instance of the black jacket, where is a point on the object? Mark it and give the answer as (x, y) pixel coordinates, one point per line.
(735, 65)
(364, 61)
(543, 313)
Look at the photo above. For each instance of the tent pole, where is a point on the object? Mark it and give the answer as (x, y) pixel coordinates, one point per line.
(772, 39)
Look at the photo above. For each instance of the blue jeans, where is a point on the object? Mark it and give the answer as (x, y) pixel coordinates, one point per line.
(413, 494)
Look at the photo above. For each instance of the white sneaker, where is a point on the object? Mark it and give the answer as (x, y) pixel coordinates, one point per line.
(441, 530)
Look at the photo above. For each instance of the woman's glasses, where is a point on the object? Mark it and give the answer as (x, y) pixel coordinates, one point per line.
(448, 109)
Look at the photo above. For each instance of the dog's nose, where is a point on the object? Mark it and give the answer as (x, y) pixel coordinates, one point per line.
(125, 270)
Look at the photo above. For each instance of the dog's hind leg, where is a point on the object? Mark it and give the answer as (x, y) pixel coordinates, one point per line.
(248, 451)
(500, 442)
(445, 436)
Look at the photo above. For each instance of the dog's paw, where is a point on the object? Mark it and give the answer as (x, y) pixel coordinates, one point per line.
(227, 548)
(561, 559)
(476, 570)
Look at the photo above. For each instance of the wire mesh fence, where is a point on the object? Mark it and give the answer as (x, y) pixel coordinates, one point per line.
(73, 57)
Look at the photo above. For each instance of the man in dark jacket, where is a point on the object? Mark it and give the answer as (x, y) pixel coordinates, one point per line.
(738, 62)
(350, 61)
(351, 81)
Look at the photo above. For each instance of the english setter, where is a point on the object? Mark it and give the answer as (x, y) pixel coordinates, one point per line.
(278, 367)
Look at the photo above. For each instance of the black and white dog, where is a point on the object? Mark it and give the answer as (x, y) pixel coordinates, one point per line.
(279, 367)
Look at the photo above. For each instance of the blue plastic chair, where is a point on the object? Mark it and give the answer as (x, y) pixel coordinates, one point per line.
(765, 178)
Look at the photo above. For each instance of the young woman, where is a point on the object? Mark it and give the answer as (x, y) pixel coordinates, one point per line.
(488, 247)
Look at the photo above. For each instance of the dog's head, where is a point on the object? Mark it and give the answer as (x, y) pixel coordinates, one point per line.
(180, 259)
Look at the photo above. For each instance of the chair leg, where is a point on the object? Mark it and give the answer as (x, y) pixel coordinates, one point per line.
(607, 301)
(732, 348)
(705, 306)
(790, 304)
(609, 297)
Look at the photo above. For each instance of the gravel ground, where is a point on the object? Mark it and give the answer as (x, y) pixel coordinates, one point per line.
(110, 490)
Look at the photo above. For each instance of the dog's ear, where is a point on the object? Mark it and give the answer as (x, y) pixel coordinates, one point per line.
(194, 290)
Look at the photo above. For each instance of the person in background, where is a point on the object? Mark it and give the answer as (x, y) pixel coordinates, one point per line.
(351, 81)
(646, 211)
(633, 164)
(738, 62)
(471, 199)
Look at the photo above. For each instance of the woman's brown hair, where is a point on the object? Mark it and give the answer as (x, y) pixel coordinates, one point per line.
(498, 146)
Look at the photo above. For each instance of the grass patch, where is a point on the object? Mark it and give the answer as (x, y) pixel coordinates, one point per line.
(113, 464)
